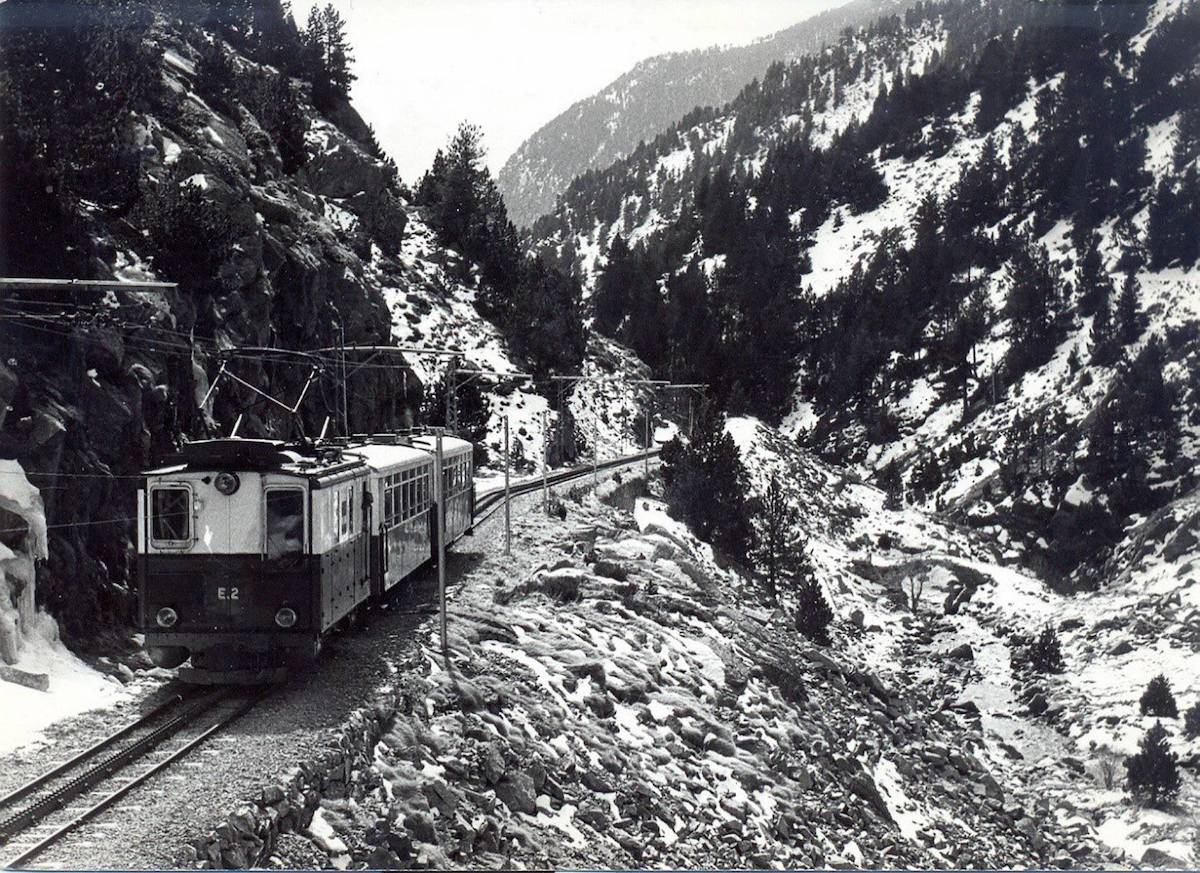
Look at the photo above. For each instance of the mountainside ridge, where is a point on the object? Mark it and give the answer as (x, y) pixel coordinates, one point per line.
(885, 249)
(644, 101)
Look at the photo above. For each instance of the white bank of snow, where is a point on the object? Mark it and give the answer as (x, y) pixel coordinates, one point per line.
(74, 687)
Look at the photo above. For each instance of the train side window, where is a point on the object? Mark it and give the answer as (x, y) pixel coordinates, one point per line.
(343, 501)
(284, 522)
(171, 515)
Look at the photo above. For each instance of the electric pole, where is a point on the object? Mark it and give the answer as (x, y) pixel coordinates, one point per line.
(507, 495)
(440, 491)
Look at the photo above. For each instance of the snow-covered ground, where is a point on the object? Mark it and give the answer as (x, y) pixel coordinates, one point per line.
(28, 637)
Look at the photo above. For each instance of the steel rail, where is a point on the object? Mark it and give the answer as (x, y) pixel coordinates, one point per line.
(31, 815)
(40, 781)
(489, 501)
(108, 801)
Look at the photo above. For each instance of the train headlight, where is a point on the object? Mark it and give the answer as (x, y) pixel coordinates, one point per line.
(227, 483)
(166, 617)
(285, 617)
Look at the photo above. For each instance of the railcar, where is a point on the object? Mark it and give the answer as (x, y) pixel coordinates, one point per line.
(250, 552)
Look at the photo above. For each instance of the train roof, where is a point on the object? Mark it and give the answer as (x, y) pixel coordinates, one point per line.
(383, 456)
(450, 445)
(237, 454)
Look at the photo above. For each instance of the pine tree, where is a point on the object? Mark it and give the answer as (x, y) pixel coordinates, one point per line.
(1157, 699)
(929, 270)
(892, 484)
(1045, 653)
(1034, 296)
(1095, 285)
(1105, 347)
(610, 300)
(1191, 721)
(777, 518)
(472, 410)
(1152, 775)
(193, 236)
(813, 612)
(327, 57)
(706, 486)
(284, 120)
(1129, 319)
(216, 78)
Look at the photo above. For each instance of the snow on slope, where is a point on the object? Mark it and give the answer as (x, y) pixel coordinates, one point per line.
(431, 308)
(647, 198)
(613, 697)
(32, 634)
(1147, 622)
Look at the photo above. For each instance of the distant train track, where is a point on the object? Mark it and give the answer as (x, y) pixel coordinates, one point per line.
(41, 812)
(491, 500)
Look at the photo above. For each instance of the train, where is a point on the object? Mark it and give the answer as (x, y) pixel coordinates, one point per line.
(251, 552)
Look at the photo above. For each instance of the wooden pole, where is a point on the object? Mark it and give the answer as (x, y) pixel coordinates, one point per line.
(595, 447)
(440, 490)
(345, 404)
(646, 449)
(507, 496)
(545, 460)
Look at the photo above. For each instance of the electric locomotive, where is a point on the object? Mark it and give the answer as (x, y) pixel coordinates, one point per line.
(250, 552)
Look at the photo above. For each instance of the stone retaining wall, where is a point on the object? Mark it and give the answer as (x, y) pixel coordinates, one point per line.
(249, 835)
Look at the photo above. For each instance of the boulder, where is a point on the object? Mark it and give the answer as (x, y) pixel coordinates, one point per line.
(516, 791)
(598, 781)
(962, 652)
(720, 745)
(36, 681)
(420, 827)
(601, 704)
(1153, 857)
(611, 570)
(493, 765)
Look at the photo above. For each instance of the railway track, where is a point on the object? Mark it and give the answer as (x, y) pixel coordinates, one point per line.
(41, 812)
(490, 501)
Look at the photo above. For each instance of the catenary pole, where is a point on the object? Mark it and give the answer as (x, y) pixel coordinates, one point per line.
(545, 460)
(507, 495)
(440, 486)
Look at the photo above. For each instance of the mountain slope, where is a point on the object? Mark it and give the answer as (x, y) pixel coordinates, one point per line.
(949, 250)
(644, 101)
(963, 643)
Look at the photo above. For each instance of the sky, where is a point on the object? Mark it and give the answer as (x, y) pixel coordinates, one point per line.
(510, 66)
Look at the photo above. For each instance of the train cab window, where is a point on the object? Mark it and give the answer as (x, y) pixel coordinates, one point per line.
(284, 523)
(171, 515)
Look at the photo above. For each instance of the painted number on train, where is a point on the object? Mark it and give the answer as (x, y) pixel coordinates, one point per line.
(224, 593)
